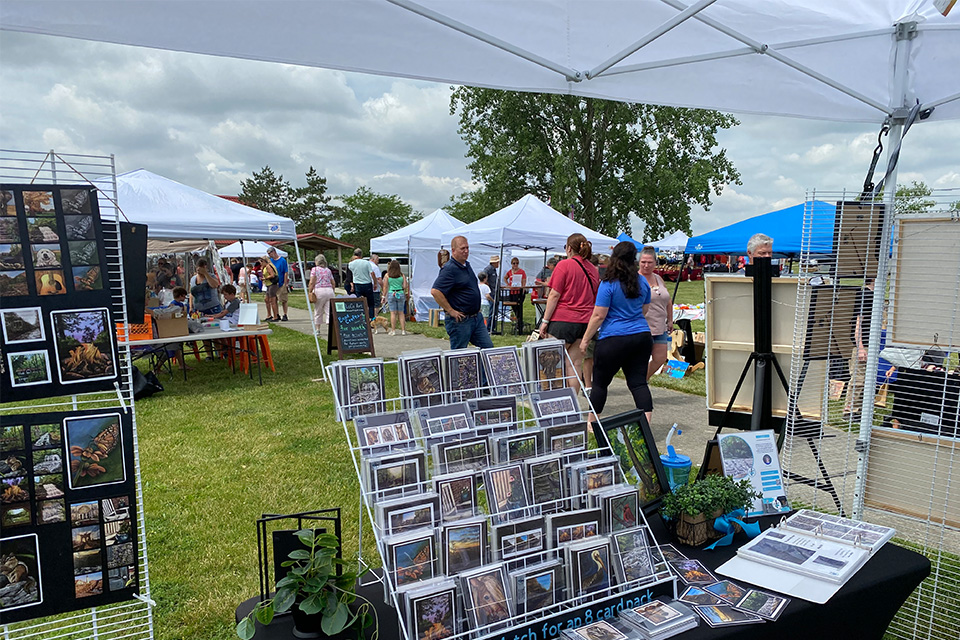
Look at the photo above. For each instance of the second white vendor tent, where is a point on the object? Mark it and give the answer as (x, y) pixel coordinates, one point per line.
(421, 241)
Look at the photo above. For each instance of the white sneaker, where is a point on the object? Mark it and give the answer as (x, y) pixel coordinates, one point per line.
(393, 333)
(403, 333)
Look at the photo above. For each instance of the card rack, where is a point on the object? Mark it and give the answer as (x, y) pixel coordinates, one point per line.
(415, 460)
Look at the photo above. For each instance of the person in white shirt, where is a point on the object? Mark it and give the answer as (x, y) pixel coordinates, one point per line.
(486, 298)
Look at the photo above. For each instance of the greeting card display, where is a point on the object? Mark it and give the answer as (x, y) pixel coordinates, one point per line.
(67, 512)
(58, 329)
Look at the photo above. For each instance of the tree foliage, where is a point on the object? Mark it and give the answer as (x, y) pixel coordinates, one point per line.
(605, 160)
(367, 214)
(307, 206)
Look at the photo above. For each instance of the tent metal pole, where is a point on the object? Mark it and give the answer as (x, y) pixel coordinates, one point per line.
(900, 79)
(246, 279)
(676, 288)
(306, 296)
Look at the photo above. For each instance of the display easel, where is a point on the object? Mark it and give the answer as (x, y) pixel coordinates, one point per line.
(544, 624)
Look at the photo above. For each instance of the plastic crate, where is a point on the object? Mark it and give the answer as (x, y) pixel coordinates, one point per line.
(142, 331)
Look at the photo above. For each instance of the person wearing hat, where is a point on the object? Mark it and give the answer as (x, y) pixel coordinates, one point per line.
(491, 271)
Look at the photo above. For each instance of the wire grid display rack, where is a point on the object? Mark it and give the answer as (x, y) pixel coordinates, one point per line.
(886, 435)
(525, 423)
(132, 619)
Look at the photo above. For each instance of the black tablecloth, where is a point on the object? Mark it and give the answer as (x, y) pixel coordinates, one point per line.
(862, 609)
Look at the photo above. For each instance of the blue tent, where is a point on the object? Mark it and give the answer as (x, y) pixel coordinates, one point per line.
(625, 238)
(785, 226)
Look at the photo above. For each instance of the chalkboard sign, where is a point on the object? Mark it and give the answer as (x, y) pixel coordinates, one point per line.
(349, 328)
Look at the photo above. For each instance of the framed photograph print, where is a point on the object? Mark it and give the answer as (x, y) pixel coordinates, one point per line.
(629, 438)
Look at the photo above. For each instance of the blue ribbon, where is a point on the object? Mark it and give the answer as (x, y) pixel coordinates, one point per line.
(725, 525)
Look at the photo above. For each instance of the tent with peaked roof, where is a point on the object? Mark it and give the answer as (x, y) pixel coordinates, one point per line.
(675, 241)
(528, 223)
(174, 211)
(784, 226)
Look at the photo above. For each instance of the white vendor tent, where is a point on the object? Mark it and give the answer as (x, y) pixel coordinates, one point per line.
(175, 211)
(676, 241)
(421, 241)
(248, 249)
(528, 223)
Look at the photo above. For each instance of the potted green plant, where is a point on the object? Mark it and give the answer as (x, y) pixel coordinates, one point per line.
(691, 509)
(323, 598)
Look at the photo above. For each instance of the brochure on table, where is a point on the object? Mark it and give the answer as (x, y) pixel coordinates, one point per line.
(753, 455)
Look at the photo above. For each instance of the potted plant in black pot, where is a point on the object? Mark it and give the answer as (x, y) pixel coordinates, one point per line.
(321, 601)
(690, 510)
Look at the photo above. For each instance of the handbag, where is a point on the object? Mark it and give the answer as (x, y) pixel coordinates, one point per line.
(312, 297)
(145, 384)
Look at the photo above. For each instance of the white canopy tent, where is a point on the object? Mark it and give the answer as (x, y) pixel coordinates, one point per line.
(528, 223)
(676, 241)
(252, 248)
(421, 241)
(175, 211)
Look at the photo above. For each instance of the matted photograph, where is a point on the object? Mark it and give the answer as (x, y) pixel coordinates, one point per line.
(50, 282)
(506, 491)
(565, 438)
(591, 567)
(120, 554)
(555, 407)
(51, 512)
(414, 559)
(47, 461)
(21, 558)
(407, 513)
(537, 589)
(114, 509)
(364, 392)
(75, 200)
(13, 465)
(28, 368)
(434, 615)
(517, 538)
(83, 252)
(634, 562)
(766, 605)
(46, 256)
(9, 230)
(692, 571)
(464, 455)
(48, 486)
(11, 438)
(696, 595)
(518, 447)
(600, 630)
(461, 375)
(422, 378)
(86, 538)
(464, 545)
(13, 283)
(38, 203)
(550, 360)
(458, 495)
(727, 591)
(79, 227)
(122, 578)
(22, 325)
(503, 370)
(369, 427)
(657, 613)
(724, 615)
(87, 562)
(45, 436)
(495, 413)
(546, 484)
(573, 526)
(11, 257)
(84, 344)
(16, 515)
(84, 513)
(670, 552)
(87, 278)
(90, 584)
(41, 231)
(95, 447)
(14, 490)
(622, 509)
(485, 595)
(397, 475)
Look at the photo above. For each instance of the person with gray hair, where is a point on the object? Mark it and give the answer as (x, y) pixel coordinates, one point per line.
(759, 246)
(322, 287)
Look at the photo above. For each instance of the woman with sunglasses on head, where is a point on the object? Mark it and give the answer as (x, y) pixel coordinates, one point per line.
(624, 336)
(659, 313)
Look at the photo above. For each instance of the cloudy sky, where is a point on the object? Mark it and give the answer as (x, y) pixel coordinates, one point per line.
(211, 122)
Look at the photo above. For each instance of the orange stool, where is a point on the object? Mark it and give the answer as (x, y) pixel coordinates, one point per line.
(249, 353)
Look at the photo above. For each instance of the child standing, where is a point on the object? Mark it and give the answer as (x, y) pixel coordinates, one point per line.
(486, 298)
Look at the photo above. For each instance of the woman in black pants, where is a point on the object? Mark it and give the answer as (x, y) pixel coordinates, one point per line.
(624, 341)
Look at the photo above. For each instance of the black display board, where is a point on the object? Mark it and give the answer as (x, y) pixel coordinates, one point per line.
(349, 329)
(68, 517)
(133, 239)
(58, 326)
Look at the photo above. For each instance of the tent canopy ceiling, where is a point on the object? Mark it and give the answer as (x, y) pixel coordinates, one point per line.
(828, 60)
(675, 241)
(422, 234)
(175, 211)
(248, 249)
(784, 226)
(528, 223)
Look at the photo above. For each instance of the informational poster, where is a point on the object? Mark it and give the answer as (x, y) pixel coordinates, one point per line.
(68, 512)
(58, 330)
(753, 455)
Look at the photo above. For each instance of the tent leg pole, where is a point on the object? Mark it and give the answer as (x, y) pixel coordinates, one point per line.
(306, 296)
(676, 288)
(246, 279)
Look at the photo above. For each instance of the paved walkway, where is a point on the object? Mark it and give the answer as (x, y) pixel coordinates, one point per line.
(688, 411)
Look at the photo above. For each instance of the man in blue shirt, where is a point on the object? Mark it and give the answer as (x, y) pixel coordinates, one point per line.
(457, 292)
(283, 292)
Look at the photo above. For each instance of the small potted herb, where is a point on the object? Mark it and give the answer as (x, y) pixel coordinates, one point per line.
(323, 598)
(691, 509)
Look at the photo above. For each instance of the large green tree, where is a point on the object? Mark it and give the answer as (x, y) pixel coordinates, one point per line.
(367, 214)
(604, 160)
(307, 205)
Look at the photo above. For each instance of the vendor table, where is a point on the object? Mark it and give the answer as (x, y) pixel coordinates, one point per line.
(241, 341)
(861, 610)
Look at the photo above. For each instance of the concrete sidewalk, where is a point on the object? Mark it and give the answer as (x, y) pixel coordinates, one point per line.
(688, 411)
